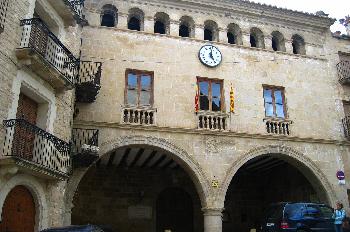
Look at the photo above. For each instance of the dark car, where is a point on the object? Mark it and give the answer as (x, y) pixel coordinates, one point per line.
(84, 228)
(300, 217)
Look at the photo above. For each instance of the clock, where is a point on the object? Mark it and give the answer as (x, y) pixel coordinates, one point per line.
(210, 55)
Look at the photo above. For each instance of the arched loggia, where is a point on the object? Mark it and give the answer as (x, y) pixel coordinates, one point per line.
(156, 163)
(267, 175)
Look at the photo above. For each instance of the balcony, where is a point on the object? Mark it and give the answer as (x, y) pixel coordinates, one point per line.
(85, 146)
(88, 82)
(45, 55)
(35, 151)
(277, 126)
(214, 121)
(71, 11)
(3, 9)
(139, 116)
(346, 126)
(343, 68)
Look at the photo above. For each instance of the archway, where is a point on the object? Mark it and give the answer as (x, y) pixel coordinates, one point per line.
(18, 206)
(269, 175)
(128, 179)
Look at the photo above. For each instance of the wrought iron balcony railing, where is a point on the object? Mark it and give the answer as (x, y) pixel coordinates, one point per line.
(3, 9)
(139, 116)
(278, 126)
(85, 146)
(344, 72)
(346, 126)
(210, 120)
(37, 37)
(36, 148)
(77, 7)
(88, 82)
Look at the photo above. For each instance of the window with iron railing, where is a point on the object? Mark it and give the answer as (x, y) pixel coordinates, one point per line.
(3, 10)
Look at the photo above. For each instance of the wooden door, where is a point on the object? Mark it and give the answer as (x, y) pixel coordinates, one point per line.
(174, 211)
(18, 212)
(23, 142)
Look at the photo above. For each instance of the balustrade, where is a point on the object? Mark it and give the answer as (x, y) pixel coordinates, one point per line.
(216, 121)
(343, 68)
(28, 143)
(279, 127)
(138, 116)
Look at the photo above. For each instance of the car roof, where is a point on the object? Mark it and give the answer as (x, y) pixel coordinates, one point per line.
(84, 228)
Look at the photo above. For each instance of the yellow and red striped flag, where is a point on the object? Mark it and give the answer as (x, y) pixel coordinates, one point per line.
(232, 100)
(196, 100)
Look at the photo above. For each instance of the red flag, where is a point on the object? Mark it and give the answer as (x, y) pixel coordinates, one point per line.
(196, 100)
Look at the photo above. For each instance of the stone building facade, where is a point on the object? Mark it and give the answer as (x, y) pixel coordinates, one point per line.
(163, 141)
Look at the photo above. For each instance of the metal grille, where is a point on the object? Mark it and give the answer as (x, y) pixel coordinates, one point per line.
(346, 126)
(26, 141)
(76, 6)
(89, 72)
(344, 71)
(84, 136)
(37, 36)
(3, 9)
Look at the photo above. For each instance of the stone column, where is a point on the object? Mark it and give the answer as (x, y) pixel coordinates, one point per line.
(212, 220)
(246, 39)
(148, 24)
(289, 46)
(122, 20)
(268, 42)
(199, 32)
(222, 35)
(174, 28)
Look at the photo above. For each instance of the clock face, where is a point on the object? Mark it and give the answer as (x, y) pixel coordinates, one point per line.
(210, 55)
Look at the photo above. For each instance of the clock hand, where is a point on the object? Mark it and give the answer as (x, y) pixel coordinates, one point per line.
(211, 53)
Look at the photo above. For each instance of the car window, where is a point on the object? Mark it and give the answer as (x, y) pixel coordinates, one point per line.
(326, 211)
(293, 210)
(313, 211)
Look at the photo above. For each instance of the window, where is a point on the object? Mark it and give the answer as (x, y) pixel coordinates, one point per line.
(135, 19)
(139, 88)
(162, 23)
(274, 102)
(298, 45)
(256, 38)
(278, 43)
(186, 28)
(210, 94)
(109, 16)
(234, 34)
(210, 30)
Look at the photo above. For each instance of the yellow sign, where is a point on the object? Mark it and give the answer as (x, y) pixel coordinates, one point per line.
(215, 183)
(232, 100)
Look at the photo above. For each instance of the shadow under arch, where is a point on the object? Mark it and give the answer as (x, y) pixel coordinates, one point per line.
(191, 167)
(305, 165)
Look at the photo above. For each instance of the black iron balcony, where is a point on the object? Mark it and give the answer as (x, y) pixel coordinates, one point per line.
(346, 126)
(88, 82)
(35, 150)
(85, 146)
(44, 53)
(71, 11)
(344, 72)
(3, 10)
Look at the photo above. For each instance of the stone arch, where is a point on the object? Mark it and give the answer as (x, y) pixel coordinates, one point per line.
(308, 168)
(161, 23)
(298, 44)
(38, 193)
(234, 34)
(187, 27)
(257, 38)
(278, 41)
(136, 19)
(109, 16)
(211, 30)
(186, 161)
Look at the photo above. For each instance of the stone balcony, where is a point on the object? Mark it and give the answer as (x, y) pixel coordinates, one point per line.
(88, 81)
(145, 116)
(84, 146)
(3, 9)
(71, 11)
(343, 68)
(278, 126)
(46, 56)
(29, 149)
(210, 120)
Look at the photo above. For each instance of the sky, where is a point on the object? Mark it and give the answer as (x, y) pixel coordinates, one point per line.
(335, 8)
